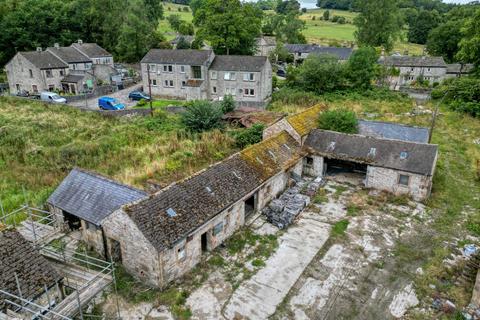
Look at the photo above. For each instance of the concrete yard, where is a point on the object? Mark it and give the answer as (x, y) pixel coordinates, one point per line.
(120, 95)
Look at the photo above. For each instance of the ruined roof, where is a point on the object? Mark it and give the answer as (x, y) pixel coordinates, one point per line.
(340, 53)
(18, 256)
(44, 60)
(180, 56)
(69, 55)
(412, 61)
(92, 197)
(197, 199)
(457, 67)
(239, 63)
(420, 157)
(388, 130)
(91, 50)
(303, 122)
(300, 48)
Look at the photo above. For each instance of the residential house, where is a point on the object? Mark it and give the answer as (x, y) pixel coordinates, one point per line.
(25, 274)
(35, 71)
(265, 45)
(301, 51)
(94, 52)
(84, 199)
(199, 74)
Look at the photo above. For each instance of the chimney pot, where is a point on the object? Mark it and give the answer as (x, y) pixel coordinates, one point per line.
(39, 49)
(56, 45)
(80, 41)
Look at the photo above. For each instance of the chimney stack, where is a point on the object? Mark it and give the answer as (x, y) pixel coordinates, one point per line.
(80, 41)
(39, 49)
(56, 45)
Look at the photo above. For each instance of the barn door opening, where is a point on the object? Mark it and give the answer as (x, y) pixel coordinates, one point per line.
(72, 221)
(251, 205)
(204, 242)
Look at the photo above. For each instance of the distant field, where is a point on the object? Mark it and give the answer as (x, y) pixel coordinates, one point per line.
(169, 9)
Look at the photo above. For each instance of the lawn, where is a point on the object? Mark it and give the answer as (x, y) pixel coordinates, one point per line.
(40, 144)
(161, 103)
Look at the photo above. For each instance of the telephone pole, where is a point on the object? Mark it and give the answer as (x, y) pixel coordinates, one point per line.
(150, 89)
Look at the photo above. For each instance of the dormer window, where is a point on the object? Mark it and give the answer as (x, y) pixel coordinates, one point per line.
(171, 213)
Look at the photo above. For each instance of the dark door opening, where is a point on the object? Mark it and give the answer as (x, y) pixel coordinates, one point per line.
(334, 166)
(116, 251)
(72, 221)
(250, 205)
(204, 242)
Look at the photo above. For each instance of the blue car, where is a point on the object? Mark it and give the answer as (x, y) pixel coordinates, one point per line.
(107, 103)
(138, 95)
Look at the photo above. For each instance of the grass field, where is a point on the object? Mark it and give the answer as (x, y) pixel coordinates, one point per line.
(169, 9)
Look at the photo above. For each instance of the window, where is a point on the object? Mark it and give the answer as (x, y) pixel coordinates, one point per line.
(403, 155)
(214, 75)
(30, 72)
(230, 91)
(218, 229)
(181, 253)
(197, 72)
(248, 77)
(214, 89)
(403, 180)
(309, 162)
(34, 88)
(169, 83)
(412, 69)
(18, 87)
(51, 87)
(182, 69)
(62, 73)
(184, 83)
(91, 226)
(153, 82)
(249, 92)
(168, 68)
(428, 69)
(48, 73)
(229, 76)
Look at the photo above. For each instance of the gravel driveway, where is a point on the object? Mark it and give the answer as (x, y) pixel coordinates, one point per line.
(121, 96)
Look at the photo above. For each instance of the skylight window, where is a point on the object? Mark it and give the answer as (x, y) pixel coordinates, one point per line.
(403, 155)
(286, 146)
(259, 161)
(209, 190)
(331, 147)
(171, 212)
(372, 152)
(237, 175)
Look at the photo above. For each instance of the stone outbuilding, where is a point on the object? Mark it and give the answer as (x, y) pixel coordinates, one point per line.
(84, 199)
(26, 274)
(301, 52)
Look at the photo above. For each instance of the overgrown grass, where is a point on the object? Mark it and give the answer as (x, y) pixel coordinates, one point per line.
(339, 228)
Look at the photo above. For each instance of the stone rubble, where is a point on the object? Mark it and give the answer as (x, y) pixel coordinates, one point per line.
(282, 211)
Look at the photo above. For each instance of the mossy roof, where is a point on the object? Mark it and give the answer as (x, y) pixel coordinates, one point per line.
(305, 121)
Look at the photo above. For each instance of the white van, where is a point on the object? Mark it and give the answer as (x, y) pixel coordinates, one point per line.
(52, 97)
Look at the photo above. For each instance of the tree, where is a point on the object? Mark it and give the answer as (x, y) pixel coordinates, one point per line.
(470, 43)
(186, 28)
(326, 15)
(379, 23)
(183, 44)
(175, 21)
(229, 25)
(154, 10)
(280, 54)
(340, 120)
(362, 68)
(249, 136)
(202, 115)
(421, 26)
(228, 104)
(287, 6)
(287, 28)
(320, 74)
(443, 40)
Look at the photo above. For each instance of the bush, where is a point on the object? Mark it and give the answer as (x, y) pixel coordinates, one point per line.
(461, 94)
(202, 115)
(249, 136)
(227, 104)
(295, 96)
(321, 73)
(340, 120)
(304, 10)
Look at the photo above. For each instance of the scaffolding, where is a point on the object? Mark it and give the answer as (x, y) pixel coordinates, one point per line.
(83, 276)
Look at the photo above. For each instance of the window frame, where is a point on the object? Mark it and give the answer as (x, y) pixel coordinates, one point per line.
(403, 176)
(218, 228)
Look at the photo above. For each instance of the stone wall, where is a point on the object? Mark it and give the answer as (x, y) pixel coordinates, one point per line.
(92, 236)
(418, 188)
(314, 169)
(280, 126)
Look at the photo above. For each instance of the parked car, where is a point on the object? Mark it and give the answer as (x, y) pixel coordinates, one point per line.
(281, 73)
(138, 95)
(108, 103)
(52, 97)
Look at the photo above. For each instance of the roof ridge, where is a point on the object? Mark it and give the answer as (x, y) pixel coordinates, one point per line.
(395, 123)
(108, 179)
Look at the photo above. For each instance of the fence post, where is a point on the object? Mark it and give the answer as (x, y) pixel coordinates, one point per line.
(79, 305)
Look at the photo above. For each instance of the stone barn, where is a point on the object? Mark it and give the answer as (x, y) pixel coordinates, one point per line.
(84, 199)
(160, 238)
(25, 274)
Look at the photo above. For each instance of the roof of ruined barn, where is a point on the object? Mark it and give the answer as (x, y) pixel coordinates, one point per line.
(239, 63)
(420, 157)
(303, 122)
(92, 197)
(179, 56)
(44, 60)
(389, 130)
(413, 61)
(19, 257)
(176, 211)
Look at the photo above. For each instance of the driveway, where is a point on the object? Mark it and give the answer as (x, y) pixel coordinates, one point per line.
(121, 96)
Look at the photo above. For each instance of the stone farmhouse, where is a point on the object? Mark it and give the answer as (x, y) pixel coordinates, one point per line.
(199, 74)
(25, 273)
(68, 69)
(412, 68)
(160, 237)
(265, 45)
(301, 51)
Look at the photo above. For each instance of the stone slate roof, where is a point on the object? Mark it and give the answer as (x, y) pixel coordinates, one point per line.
(421, 158)
(18, 256)
(239, 63)
(303, 122)
(411, 61)
(69, 55)
(269, 41)
(44, 60)
(341, 53)
(91, 50)
(92, 197)
(456, 67)
(181, 56)
(199, 198)
(388, 130)
(187, 38)
(73, 78)
(300, 48)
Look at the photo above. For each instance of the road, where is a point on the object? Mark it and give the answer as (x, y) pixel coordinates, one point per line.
(121, 96)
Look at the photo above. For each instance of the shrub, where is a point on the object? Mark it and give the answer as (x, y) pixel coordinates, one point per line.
(249, 136)
(321, 73)
(202, 115)
(227, 104)
(141, 103)
(461, 94)
(186, 9)
(339, 228)
(304, 10)
(326, 15)
(340, 120)
(295, 96)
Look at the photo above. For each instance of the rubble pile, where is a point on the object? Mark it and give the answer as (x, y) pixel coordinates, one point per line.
(282, 211)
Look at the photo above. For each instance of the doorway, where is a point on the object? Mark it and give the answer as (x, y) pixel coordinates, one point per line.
(72, 221)
(250, 205)
(204, 242)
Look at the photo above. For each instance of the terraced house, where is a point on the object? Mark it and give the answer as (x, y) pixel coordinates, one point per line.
(199, 74)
